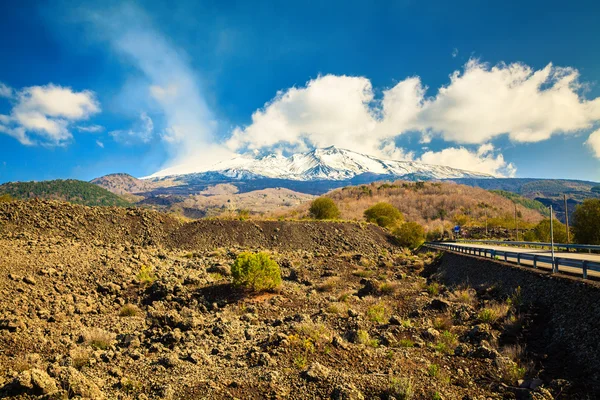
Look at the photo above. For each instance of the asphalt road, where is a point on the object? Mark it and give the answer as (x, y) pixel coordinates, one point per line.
(543, 252)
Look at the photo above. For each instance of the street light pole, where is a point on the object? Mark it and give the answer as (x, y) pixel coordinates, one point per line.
(552, 240)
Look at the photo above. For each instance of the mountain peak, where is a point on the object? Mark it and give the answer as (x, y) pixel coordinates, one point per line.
(329, 163)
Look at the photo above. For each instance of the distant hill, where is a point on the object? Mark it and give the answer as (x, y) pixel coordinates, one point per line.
(73, 191)
(545, 191)
(434, 204)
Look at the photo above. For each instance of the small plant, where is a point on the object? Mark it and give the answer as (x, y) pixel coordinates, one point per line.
(363, 273)
(317, 332)
(388, 288)
(433, 289)
(337, 308)
(401, 388)
(329, 285)
(344, 297)
(146, 274)
(464, 296)
(129, 310)
(516, 299)
(493, 312)
(363, 337)
(256, 272)
(407, 343)
(377, 313)
(300, 361)
(436, 396)
(447, 342)
(442, 323)
(97, 338)
(407, 323)
(80, 357)
(433, 370)
(129, 386)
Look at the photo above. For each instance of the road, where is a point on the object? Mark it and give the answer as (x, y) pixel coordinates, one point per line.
(541, 252)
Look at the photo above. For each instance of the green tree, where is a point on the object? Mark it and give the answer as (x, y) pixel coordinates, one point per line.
(586, 224)
(541, 232)
(256, 272)
(384, 214)
(410, 234)
(324, 208)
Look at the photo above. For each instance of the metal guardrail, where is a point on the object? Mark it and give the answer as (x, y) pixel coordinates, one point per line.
(584, 265)
(534, 244)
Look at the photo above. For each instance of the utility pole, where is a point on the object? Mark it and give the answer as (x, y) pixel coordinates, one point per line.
(552, 240)
(567, 219)
(516, 222)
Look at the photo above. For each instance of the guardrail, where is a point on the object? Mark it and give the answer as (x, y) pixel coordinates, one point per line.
(588, 247)
(508, 256)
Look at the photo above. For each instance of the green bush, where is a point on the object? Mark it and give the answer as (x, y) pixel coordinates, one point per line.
(324, 208)
(384, 214)
(410, 234)
(256, 272)
(586, 224)
(541, 232)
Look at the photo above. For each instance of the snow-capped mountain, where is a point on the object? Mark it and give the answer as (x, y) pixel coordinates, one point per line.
(329, 164)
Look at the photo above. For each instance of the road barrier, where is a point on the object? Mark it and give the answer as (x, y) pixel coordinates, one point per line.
(557, 246)
(518, 258)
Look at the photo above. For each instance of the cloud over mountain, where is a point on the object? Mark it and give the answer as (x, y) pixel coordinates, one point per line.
(43, 114)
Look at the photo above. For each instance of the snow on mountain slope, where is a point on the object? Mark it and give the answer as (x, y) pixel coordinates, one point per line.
(329, 163)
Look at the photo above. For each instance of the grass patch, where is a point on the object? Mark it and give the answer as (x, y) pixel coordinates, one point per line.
(407, 343)
(401, 388)
(433, 370)
(433, 289)
(493, 312)
(378, 313)
(146, 274)
(464, 296)
(447, 342)
(443, 323)
(129, 310)
(337, 308)
(363, 337)
(97, 338)
(329, 285)
(388, 288)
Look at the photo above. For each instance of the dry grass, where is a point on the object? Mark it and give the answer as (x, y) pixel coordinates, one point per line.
(464, 296)
(329, 285)
(493, 312)
(97, 338)
(443, 323)
(129, 310)
(80, 357)
(378, 313)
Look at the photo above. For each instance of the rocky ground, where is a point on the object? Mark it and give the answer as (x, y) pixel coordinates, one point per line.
(117, 304)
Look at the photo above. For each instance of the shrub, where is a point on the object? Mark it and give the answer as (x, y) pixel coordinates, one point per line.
(541, 232)
(97, 338)
(324, 208)
(377, 313)
(363, 337)
(401, 389)
(5, 198)
(493, 313)
(129, 310)
(146, 274)
(410, 234)
(384, 214)
(586, 224)
(447, 342)
(256, 272)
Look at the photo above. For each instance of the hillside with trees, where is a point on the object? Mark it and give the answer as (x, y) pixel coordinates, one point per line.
(434, 205)
(70, 190)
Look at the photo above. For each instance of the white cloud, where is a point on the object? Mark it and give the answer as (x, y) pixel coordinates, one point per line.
(479, 104)
(100, 144)
(454, 52)
(484, 159)
(91, 128)
(593, 142)
(171, 85)
(42, 114)
(5, 91)
(141, 132)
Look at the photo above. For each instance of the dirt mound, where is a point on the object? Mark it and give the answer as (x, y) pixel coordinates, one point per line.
(143, 227)
(70, 221)
(329, 237)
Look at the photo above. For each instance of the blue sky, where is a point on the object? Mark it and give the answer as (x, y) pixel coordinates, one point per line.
(88, 89)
